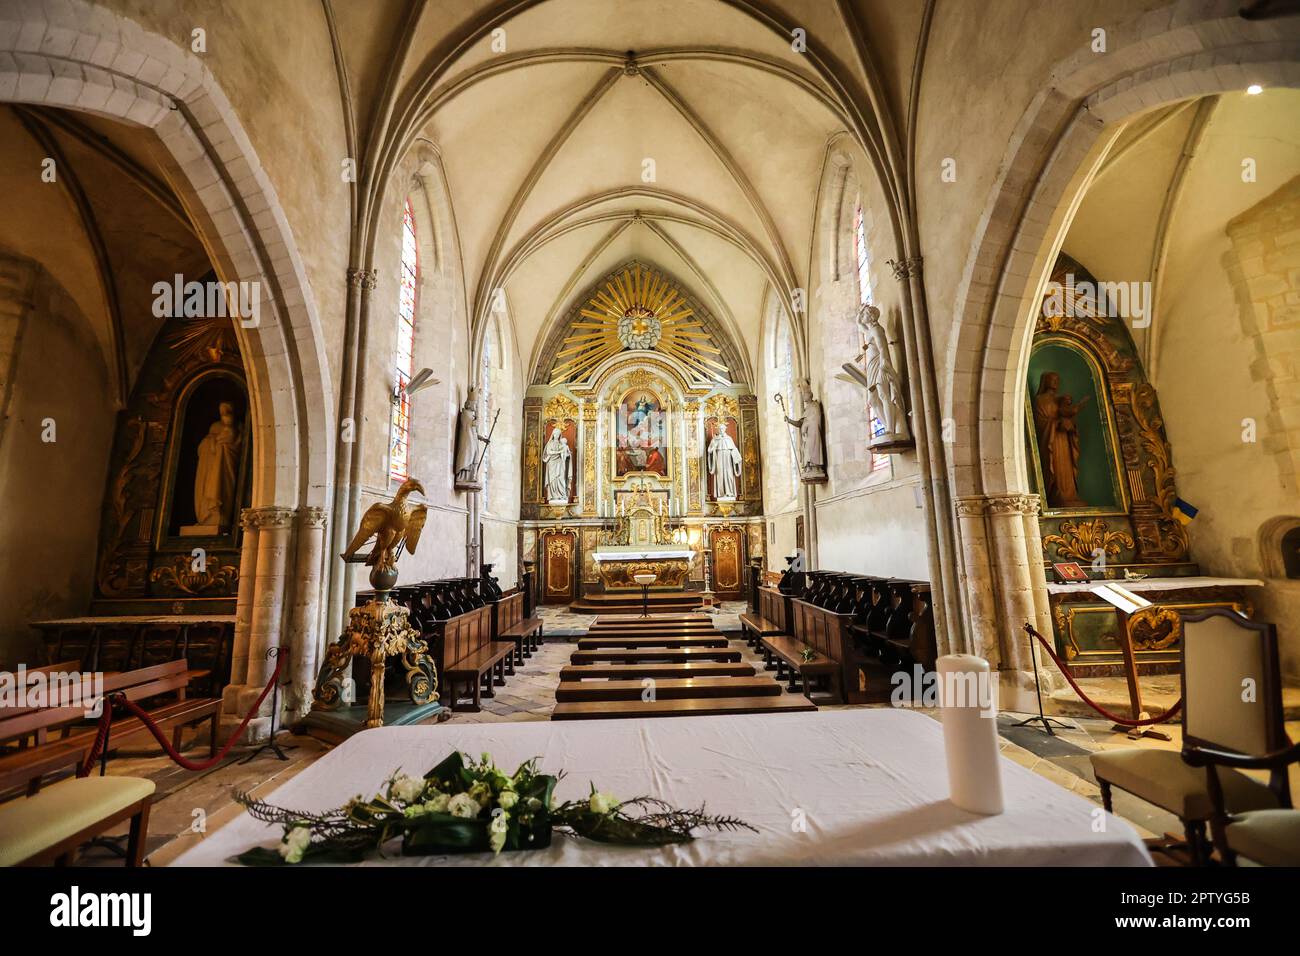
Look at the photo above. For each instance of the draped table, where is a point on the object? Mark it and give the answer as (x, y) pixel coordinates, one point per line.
(848, 787)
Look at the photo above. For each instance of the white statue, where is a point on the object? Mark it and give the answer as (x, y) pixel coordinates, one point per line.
(884, 388)
(467, 442)
(217, 471)
(724, 463)
(557, 458)
(812, 452)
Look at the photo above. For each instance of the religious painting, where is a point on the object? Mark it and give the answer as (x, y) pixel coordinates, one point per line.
(640, 434)
(722, 457)
(558, 460)
(1071, 430)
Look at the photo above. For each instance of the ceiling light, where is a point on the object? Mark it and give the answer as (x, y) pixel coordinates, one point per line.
(1254, 89)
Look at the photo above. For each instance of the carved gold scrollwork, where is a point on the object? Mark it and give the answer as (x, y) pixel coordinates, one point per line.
(1168, 537)
(1082, 539)
(182, 576)
(1154, 628)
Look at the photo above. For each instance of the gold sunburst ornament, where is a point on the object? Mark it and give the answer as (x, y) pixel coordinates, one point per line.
(638, 309)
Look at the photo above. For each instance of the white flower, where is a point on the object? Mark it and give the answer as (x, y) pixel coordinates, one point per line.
(437, 803)
(498, 830)
(407, 789)
(602, 803)
(507, 799)
(463, 805)
(295, 844)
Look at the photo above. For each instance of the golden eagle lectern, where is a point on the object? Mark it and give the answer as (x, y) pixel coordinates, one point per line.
(381, 628)
(393, 526)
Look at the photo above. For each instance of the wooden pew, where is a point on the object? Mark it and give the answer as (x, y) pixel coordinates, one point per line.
(510, 624)
(816, 655)
(466, 655)
(145, 684)
(771, 618)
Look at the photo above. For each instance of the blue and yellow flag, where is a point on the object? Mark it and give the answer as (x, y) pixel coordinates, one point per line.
(1184, 512)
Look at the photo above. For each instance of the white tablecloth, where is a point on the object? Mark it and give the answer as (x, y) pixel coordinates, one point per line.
(869, 786)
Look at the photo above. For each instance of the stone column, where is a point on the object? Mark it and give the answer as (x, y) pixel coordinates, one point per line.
(982, 628)
(243, 614)
(274, 531)
(1005, 583)
(304, 638)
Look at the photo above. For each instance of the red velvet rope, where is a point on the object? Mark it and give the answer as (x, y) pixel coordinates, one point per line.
(106, 721)
(1123, 721)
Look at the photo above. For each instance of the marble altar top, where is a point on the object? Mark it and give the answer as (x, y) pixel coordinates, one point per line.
(639, 552)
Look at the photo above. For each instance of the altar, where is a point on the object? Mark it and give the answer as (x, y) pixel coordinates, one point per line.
(619, 566)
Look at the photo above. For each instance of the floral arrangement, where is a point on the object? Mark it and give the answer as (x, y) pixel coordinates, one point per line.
(463, 806)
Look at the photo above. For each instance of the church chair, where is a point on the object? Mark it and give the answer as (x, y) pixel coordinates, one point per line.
(1232, 689)
(1222, 651)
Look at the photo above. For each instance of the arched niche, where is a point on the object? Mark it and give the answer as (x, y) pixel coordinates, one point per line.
(210, 410)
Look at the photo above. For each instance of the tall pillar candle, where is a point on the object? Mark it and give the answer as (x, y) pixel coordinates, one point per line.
(970, 736)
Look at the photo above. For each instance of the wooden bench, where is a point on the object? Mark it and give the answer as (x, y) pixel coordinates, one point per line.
(48, 824)
(594, 672)
(695, 707)
(771, 617)
(509, 623)
(669, 688)
(593, 642)
(467, 656)
(644, 655)
(801, 664)
(171, 678)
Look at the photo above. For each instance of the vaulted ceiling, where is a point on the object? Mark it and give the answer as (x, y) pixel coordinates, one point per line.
(689, 134)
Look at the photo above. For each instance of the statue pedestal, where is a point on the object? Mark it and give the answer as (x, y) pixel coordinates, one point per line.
(200, 530)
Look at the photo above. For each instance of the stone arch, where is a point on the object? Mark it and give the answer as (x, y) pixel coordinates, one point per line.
(1185, 50)
(74, 55)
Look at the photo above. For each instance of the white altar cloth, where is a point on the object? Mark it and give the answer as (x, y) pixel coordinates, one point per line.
(869, 785)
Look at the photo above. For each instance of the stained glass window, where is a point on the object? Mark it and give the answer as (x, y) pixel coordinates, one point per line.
(404, 355)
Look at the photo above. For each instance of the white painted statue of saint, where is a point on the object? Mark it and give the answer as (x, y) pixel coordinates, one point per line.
(724, 463)
(468, 440)
(883, 385)
(812, 451)
(218, 470)
(558, 459)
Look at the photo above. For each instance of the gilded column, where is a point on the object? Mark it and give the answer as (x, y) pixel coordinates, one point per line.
(694, 476)
(590, 488)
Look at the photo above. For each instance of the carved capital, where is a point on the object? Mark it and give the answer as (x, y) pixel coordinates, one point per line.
(363, 279)
(905, 268)
(975, 506)
(271, 518)
(312, 516)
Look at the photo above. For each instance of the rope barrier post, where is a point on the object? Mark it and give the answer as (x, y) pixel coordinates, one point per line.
(1038, 692)
(271, 744)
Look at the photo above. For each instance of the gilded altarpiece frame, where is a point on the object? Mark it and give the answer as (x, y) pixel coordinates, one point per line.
(145, 565)
(1133, 529)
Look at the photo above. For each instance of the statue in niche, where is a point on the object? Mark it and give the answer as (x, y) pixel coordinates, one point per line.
(1058, 442)
(884, 388)
(217, 473)
(468, 440)
(724, 463)
(812, 453)
(557, 459)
